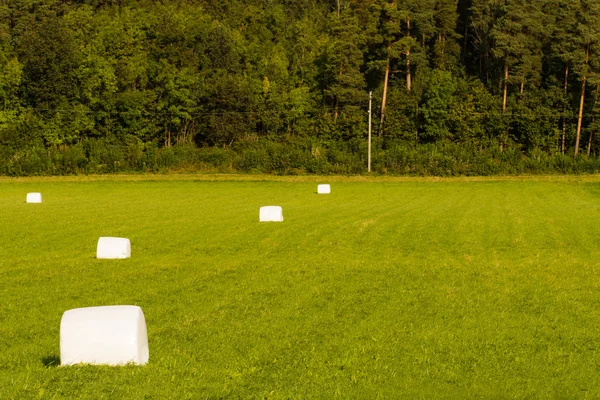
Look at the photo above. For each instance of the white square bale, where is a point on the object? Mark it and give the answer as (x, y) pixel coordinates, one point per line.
(34, 198)
(271, 214)
(112, 335)
(323, 189)
(113, 248)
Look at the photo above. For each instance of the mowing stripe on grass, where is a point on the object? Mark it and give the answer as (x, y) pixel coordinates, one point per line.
(391, 288)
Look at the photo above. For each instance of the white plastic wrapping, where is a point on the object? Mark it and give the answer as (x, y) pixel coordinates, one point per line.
(323, 189)
(271, 214)
(111, 335)
(34, 197)
(113, 248)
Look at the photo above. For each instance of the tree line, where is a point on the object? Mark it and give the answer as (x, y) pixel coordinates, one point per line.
(495, 77)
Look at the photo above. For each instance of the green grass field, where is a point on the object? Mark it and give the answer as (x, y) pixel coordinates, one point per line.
(408, 288)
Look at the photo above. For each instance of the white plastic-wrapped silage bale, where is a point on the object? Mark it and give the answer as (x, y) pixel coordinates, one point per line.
(271, 214)
(113, 248)
(111, 335)
(34, 198)
(323, 189)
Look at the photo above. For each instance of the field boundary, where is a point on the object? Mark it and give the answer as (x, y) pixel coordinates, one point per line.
(296, 179)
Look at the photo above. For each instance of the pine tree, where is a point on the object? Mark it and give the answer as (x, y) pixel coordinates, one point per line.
(564, 48)
(588, 40)
(342, 80)
(446, 49)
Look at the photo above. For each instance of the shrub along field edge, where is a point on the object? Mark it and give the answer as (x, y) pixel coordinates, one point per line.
(293, 157)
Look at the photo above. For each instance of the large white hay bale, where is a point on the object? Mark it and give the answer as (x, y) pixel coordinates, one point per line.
(113, 248)
(34, 197)
(324, 189)
(271, 214)
(113, 335)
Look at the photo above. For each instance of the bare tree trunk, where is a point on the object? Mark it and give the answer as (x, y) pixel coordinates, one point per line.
(168, 139)
(564, 127)
(505, 86)
(385, 88)
(408, 77)
(466, 37)
(580, 118)
(337, 103)
(486, 64)
(336, 112)
(589, 148)
(441, 41)
(417, 125)
(504, 96)
(522, 87)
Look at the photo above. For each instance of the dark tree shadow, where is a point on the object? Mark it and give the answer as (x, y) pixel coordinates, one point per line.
(51, 361)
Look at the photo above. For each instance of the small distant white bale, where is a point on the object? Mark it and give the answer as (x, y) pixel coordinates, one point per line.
(113, 248)
(34, 197)
(271, 214)
(323, 189)
(113, 335)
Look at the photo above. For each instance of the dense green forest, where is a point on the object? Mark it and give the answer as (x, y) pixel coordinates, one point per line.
(459, 86)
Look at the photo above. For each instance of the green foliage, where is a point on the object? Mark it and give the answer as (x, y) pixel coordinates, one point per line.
(290, 157)
(438, 100)
(138, 74)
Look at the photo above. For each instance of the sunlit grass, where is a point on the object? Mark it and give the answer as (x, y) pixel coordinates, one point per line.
(398, 288)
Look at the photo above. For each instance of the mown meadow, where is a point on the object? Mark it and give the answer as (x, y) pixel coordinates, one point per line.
(386, 288)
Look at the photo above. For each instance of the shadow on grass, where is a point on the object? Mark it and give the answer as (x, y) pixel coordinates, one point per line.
(51, 361)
